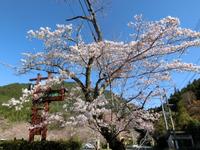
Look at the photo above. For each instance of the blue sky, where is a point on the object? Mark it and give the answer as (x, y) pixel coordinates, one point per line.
(19, 16)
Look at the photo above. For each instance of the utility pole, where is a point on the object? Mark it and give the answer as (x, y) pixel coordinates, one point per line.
(167, 114)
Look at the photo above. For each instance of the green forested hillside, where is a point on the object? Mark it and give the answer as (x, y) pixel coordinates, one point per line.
(15, 91)
(7, 92)
(11, 90)
(185, 111)
(186, 105)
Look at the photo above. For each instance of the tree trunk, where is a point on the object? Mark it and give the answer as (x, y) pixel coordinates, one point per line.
(114, 142)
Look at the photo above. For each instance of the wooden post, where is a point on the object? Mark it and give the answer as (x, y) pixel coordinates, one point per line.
(36, 117)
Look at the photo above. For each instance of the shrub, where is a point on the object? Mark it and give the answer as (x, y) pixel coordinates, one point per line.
(71, 144)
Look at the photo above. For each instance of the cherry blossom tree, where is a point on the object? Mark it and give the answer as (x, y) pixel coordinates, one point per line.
(133, 71)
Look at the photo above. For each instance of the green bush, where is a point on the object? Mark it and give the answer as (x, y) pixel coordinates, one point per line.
(41, 145)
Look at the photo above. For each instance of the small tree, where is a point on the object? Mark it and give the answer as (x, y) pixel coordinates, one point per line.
(132, 70)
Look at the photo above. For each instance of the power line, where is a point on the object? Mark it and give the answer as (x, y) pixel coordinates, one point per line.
(197, 27)
(196, 72)
(188, 75)
(70, 7)
(84, 13)
(88, 23)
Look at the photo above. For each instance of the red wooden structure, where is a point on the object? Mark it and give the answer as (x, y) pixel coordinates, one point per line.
(41, 103)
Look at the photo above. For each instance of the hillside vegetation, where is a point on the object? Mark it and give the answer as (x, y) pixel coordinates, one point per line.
(12, 91)
(15, 91)
(185, 111)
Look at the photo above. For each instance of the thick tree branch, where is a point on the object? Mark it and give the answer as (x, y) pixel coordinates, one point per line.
(79, 17)
(94, 21)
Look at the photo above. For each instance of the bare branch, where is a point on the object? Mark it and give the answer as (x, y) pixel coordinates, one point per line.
(79, 17)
